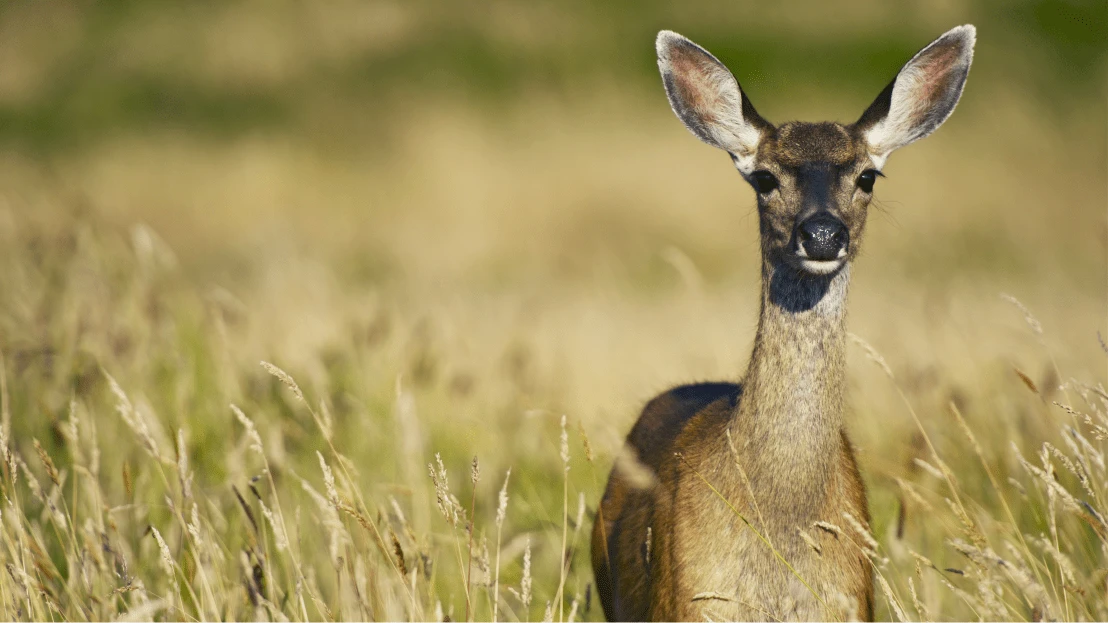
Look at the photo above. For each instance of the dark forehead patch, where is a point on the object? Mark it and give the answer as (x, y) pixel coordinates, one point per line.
(800, 142)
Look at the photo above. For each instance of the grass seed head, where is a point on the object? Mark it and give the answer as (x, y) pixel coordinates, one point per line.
(251, 430)
(285, 378)
(873, 355)
(328, 480)
(183, 475)
(585, 441)
(1028, 317)
(830, 528)
(32, 481)
(47, 463)
(807, 538)
(447, 503)
(893, 602)
(133, 418)
(525, 582)
(167, 560)
(565, 445)
(279, 536)
(194, 524)
(502, 506)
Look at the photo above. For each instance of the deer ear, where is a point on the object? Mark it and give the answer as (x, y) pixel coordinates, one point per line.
(922, 95)
(708, 100)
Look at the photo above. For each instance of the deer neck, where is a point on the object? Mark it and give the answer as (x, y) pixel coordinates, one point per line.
(787, 426)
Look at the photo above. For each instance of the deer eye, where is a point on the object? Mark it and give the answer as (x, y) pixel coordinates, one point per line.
(867, 178)
(763, 181)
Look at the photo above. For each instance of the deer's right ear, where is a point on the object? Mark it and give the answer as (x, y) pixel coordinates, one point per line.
(708, 100)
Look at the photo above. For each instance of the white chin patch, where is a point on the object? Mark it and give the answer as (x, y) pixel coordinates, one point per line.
(821, 268)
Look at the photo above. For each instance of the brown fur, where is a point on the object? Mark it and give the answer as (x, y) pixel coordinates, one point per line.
(731, 479)
(800, 468)
(656, 549)
(798, 143)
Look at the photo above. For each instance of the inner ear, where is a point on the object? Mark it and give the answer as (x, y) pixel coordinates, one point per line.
(922, 96)
(706, 97)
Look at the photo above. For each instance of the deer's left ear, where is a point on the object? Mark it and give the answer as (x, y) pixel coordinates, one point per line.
(922, 95)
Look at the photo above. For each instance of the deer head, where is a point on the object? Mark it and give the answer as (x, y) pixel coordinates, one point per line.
(814, 180)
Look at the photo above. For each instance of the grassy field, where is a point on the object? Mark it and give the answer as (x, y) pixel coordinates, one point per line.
(287, 293)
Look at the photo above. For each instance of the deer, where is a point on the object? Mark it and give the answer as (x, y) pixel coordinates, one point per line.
(736, 501)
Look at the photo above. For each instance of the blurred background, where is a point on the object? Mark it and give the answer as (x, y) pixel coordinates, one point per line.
(455, 151)
(503, 145)
(458, 157)
(492, 202)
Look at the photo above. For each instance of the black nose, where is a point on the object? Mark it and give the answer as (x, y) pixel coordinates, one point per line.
(822, 237)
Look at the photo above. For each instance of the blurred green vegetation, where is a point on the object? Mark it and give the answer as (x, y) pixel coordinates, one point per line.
(104, 84)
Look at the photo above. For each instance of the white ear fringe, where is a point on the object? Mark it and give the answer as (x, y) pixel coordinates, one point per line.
(723, 126)
(907, 119)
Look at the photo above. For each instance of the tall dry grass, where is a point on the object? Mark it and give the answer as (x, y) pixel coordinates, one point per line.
(152, 467)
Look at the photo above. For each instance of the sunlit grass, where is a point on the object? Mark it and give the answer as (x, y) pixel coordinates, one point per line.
(156, 464)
